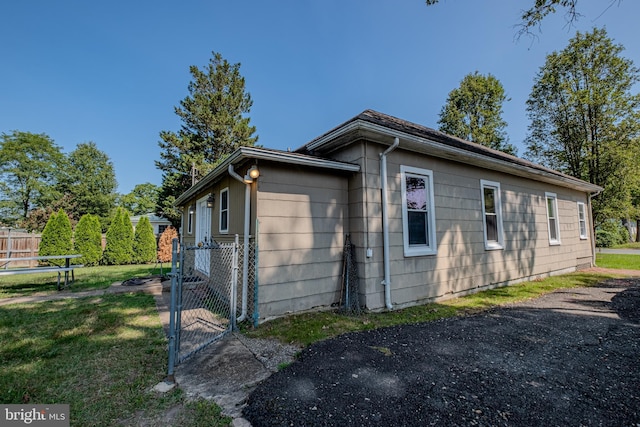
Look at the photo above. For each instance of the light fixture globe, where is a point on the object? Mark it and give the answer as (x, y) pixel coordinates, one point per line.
(254, 172)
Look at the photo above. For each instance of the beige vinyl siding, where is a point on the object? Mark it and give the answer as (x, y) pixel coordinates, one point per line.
(302, 215)
(462, 263)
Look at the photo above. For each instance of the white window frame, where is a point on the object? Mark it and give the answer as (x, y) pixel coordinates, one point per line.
(430, 247)
(495, 186)
(224, 228)
(582, 221)
(554, 199)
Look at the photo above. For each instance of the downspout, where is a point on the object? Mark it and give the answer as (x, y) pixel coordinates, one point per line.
(593, 230)
(245, 258)
(385, 223)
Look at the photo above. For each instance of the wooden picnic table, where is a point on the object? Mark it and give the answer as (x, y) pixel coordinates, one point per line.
(4, 262)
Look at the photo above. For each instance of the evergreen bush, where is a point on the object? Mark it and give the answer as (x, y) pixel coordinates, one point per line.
(144, 242)
(119, 248)
(56, 238)
(165, 244)
(88, 240)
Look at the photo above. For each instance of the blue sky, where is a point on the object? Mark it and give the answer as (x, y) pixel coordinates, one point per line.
(112, 72)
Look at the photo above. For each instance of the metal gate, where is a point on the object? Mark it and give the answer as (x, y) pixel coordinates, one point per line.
(204, 289)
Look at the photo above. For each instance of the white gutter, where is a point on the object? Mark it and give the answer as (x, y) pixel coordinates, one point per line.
(245, 259)
(385, 223)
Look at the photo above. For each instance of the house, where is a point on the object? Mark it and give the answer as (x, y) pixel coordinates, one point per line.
(158, 223)
(432, 216)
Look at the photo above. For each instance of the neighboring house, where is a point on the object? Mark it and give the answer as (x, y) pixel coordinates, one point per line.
(158, 223)
(432, 216)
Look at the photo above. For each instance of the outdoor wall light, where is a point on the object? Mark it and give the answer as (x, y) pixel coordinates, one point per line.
(253, 172)
(211, 200)
(192, 209)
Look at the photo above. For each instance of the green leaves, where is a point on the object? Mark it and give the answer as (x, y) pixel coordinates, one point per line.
(585, 120)
(474, 112)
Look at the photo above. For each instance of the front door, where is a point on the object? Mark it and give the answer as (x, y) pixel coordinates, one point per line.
(203, 236)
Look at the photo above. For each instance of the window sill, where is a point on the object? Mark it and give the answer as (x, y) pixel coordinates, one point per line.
(413, 252)
(555, 243)
(495, 247)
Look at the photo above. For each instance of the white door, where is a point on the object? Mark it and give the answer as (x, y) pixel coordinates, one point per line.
(203, 235)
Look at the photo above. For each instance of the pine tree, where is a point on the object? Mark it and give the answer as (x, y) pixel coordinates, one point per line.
(88, 240)
(119, 248)
(144, 242)
(56, 238)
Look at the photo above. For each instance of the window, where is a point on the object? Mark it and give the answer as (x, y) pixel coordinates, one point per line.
(582, 220)
(552, 217)
(418, 219)
(190, 219)
(161, 228)
(224, 211)
(492, 212)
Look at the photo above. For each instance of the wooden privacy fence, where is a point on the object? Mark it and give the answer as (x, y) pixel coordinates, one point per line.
(19, 244)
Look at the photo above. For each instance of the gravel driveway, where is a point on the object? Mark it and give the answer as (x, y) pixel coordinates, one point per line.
(570, 358)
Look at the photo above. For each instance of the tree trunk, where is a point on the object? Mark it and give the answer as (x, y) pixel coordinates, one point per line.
(637, 229)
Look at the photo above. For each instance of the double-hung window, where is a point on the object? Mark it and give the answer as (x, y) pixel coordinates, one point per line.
(224, 210)
(492, 213)
(582, 220)
(418, 219)
(552, 218)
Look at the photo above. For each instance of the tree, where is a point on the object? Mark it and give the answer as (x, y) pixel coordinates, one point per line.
(119, 248)
(56, 238)
(585, 121)
(28, 165)
(37, 217)
(141, 200)
(534, 16)
(474, 112)
(165, 248)
(88, 240)
(144, 242)
(90, 179)
(213, 126)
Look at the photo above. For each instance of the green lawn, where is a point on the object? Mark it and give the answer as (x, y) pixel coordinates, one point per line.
(101, 355)
(627, 262)
(86, 278)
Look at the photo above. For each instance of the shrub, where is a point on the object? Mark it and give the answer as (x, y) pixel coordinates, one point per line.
(88, 240)
(611, 233)
(119, 248)
(56, 238)
(165, 244)
(144, 242)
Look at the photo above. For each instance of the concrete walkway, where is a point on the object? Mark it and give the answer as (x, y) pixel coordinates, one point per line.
(618, 251)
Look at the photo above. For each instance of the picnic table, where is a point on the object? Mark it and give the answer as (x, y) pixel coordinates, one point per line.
(4, 263)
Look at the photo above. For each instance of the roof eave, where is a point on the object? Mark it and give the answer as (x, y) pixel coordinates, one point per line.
(249, 153)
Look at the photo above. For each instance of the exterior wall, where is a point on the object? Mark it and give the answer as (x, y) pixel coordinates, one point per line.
(236, 211)
(302, 215)
(462, 264)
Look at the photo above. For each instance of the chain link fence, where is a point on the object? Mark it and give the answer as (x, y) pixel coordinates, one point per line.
(209, 294)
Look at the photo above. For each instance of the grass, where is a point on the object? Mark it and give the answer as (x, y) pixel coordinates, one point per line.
(86, 278)
(633, 245)
(101, 355)
(305, 329)
(628, 262)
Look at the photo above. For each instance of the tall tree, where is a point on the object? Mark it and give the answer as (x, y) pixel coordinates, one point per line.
(119, 247)
(28, 165)
(90, 179)
(144, 242)
(585, 121)
(57, 238)
(141, 200)
(474, 112)
(214, 124)
(88, 240)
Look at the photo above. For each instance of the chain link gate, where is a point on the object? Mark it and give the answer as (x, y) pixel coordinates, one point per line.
(207, 293)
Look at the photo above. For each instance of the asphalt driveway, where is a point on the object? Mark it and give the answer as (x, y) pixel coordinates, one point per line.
(570, 358)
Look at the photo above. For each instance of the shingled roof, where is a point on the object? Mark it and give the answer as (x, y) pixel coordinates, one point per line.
(382, 128)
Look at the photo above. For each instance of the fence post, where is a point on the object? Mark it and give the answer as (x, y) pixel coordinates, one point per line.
(172, 312)
(234, 284)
